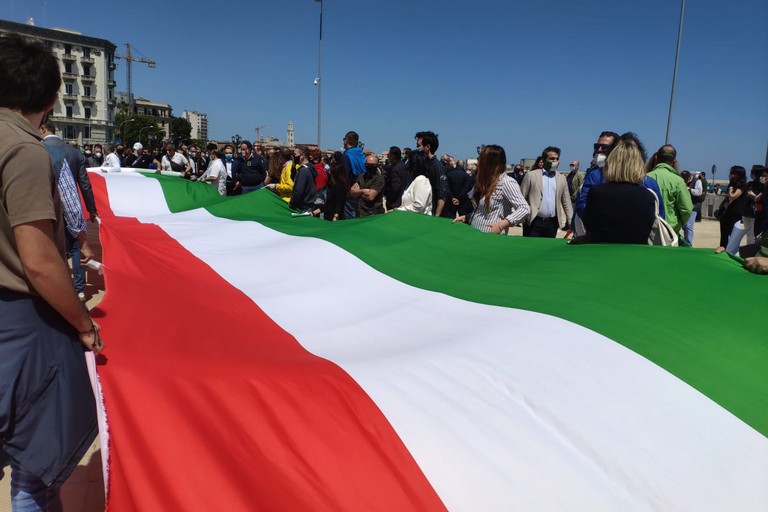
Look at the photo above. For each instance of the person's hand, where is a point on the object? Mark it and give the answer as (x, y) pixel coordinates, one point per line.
(271, 186)
(495, 228)
(93, 217)
(758, 264)
(91, 338)
(237, 186)
(460, 218)
(86, 254)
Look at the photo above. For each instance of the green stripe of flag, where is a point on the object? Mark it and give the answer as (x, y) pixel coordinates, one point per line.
(696, 314)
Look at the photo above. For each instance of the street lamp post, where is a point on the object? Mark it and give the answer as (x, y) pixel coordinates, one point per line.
(319, 80)
(141, 130)
(674, 73)
(120, 128)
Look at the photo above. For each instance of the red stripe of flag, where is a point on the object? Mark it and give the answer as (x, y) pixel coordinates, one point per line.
(212, 406)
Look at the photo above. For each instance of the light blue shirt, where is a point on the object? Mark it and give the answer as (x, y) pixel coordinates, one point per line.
(548, 194)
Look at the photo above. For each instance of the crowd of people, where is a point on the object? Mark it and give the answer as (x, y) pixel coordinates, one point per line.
(624, 197)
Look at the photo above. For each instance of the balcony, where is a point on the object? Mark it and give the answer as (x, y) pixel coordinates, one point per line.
(111, 83)
(88, 78)
(88, 60)
(88, 99)
(68, 57)
(69, 96)
(112, 66)
(71, 76)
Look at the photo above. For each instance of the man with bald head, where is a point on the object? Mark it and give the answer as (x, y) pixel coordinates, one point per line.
(368, 188)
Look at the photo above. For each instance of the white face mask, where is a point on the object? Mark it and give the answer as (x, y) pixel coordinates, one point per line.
(762, 179)
(97, 154)
(600, 160)
(553, 165)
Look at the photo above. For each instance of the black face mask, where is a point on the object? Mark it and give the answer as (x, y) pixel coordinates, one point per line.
(371, 168)
(120, 152)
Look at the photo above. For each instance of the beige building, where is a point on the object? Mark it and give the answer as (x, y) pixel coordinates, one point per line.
(85, 110)
(199, 122)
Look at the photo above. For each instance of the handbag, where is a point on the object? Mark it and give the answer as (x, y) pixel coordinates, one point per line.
(661, 232)
(720, 212)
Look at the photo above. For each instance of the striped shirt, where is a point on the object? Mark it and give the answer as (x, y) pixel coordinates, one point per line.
(507, 202)
(70, 201)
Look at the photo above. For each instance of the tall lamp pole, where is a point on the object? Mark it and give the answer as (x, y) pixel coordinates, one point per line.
(674, 74)
(319, 79)
(120, 128)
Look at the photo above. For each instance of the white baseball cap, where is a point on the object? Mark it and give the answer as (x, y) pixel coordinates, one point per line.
(137, 146)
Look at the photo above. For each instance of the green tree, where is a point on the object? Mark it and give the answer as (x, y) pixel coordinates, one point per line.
(142, 129)
(181, 130)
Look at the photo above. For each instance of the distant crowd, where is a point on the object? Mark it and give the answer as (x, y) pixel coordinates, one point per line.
(623, 197)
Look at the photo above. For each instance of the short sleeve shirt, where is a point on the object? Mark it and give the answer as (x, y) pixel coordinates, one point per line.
(28, 193)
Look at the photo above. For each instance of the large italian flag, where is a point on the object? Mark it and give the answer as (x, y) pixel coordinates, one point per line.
(257, 361)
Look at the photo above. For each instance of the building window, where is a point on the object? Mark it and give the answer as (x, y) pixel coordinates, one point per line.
(67, 88)
(69, 132)
(86, 90)
(86, 132)
(67, 49)
(87, 112)
(67, 67)
(86, 53)
(86, 70)
(69, 112)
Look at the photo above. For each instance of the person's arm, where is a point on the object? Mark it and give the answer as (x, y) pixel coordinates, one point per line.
(581, 203)
(734, 193)
(567, 204)
(285, 186)
(520, 208)
(70, 202)
(697, 190)
(49, 276)
(684, 204)
(299, 189)
(757, 264)
(443, 192)
(85, 188)
(369, 194)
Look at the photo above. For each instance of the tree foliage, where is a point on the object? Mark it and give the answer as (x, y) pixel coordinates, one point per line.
(181, 130)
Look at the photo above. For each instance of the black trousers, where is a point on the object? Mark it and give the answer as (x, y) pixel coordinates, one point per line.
(541, 228)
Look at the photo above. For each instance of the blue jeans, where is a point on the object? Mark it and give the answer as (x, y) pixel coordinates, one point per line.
(73, 251)
(350, 208)
(688, 228)
(29, 494)
(251, 189)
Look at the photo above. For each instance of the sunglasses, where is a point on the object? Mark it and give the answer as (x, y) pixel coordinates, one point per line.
(602, 147)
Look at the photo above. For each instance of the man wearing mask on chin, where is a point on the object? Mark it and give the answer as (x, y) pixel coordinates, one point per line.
(602, 148)
(546, 191)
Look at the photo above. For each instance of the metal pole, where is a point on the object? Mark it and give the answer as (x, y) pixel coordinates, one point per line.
(674, 74)
(319, 72)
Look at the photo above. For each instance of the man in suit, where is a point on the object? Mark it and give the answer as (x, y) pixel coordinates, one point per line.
(76, 243)
(547, 194)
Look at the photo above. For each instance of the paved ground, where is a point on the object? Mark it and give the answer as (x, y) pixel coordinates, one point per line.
(84, 491)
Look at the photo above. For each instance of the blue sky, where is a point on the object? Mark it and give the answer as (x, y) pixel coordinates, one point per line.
(524, 75)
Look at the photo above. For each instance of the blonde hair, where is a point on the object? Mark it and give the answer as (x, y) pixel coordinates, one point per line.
(625, 164)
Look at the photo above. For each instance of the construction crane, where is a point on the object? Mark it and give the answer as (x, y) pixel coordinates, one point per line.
(129, 58)
(258, 132)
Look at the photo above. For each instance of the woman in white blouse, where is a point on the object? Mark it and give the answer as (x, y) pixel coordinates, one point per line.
(417, 197)
(498, 202)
